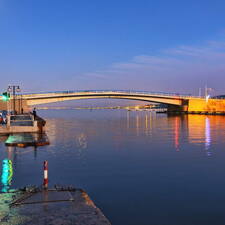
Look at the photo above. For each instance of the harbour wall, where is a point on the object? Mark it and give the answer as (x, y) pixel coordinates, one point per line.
(201, 105)
(19, 105)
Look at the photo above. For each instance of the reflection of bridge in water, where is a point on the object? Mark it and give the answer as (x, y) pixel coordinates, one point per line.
(200, 131)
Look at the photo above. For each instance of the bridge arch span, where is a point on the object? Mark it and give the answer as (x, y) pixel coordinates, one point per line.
(175, 102)
(38, 99)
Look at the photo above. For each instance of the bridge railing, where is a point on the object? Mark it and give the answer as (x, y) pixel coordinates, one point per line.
(114, 91)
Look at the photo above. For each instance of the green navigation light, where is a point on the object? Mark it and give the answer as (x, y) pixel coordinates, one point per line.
(5, 96)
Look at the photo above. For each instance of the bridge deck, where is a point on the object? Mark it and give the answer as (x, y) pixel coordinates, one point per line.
(176, 102)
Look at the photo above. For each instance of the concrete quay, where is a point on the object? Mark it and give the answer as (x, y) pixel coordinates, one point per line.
(59, 206)
(23, 123)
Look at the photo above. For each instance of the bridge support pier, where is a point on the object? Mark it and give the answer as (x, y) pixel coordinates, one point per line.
(179, 108)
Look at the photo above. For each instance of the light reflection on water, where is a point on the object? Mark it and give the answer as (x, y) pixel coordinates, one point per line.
(137, 166)
(7, 173)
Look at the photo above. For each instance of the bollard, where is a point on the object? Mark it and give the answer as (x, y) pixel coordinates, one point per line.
(45, 183)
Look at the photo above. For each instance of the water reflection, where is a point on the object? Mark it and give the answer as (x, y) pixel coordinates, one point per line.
(137, 124)
(27, 139)
(129, 151)
(13, 143)
(200, 130)
(11, 152)
(128, 119)
(81, 141)
(197, 129)
(7, 173)
(177, 133)
(207, 136)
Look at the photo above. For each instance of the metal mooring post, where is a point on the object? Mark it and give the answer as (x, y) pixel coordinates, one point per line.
(45, 183)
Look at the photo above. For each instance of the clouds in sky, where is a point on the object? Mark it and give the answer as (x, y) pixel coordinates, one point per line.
(150, 45)
(184, 69)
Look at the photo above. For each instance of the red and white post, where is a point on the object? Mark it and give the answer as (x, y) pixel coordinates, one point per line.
(45, 183)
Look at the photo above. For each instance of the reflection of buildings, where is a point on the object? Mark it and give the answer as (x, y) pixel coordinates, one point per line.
(205, 129)
(196, 129)
(176, 126)
(207, 133)
(177, 133)
(199, 130)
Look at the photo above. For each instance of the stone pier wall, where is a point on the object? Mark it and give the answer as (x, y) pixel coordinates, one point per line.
(19, 104)
(203, 105)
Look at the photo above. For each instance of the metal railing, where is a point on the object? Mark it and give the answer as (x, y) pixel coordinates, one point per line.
(130, 92)
(21, 120)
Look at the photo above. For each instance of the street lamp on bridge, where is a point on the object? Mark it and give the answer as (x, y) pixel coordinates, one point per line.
(13, 89)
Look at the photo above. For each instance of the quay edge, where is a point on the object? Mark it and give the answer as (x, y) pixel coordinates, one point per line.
(41, 207)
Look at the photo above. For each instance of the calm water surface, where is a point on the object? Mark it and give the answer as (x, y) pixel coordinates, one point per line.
(140, 168)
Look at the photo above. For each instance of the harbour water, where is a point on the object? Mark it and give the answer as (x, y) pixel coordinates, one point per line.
(140, 168)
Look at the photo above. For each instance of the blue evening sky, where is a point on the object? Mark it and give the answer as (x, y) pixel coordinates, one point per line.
(174, 46)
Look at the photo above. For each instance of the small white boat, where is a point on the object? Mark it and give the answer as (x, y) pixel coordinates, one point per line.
(22, 123)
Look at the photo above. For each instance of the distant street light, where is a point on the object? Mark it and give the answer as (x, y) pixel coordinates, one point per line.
(207, 90)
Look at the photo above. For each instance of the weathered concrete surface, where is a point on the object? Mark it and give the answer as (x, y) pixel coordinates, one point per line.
(37, 125)
(70, 207)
